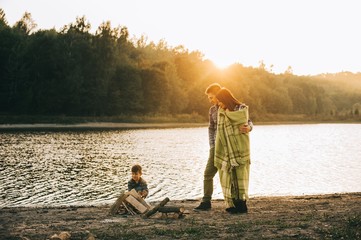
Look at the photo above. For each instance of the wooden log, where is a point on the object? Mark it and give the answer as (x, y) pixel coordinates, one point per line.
(135, 200)
(119, 202)
(136, 204)
(139, 198)
(156, 208)
(171, 209)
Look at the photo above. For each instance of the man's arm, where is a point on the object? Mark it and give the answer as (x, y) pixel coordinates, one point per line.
(212, 127)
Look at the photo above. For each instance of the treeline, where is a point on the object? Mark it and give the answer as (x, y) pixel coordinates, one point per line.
(72, 72)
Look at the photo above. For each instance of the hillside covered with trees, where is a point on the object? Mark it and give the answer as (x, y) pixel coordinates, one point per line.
(73, 72)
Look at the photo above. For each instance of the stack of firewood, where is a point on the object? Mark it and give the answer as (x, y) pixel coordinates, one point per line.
(132, 203)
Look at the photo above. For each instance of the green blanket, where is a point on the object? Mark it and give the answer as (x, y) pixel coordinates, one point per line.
(232, 154)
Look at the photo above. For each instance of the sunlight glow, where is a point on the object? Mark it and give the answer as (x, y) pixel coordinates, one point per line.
(221, 63)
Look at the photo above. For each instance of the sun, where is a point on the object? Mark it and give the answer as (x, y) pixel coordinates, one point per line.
(221, 64)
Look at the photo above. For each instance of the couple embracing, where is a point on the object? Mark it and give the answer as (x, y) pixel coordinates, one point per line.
(229, 152)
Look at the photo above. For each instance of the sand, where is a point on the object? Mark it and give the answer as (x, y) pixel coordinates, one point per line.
(331, 216)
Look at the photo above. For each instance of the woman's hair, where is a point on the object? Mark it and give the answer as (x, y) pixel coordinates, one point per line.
(137, 168)
(226, 97)
(213, 88)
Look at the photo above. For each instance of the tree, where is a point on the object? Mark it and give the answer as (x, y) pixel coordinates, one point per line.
(289, 70)
(3, 21)
(356, 109)
(155, 90)
(126, 93)
(26, 24)
(299, 101)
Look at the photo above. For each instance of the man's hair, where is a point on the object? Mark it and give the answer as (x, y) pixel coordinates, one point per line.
(137, 168)
(213, 88)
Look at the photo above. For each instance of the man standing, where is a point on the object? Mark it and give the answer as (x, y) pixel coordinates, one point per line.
(211, 170)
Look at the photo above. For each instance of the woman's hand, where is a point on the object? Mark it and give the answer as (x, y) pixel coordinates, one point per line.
(245, 128)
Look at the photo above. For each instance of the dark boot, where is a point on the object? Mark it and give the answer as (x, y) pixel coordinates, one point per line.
(204, 206)
(241, 206)
(233, 210)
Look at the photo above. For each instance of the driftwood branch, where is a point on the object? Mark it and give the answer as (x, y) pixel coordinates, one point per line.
(156, 208)
(171, 209)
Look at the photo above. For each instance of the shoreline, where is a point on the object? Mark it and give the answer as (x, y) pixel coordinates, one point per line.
(115, 125)
(154, 202)
(321, 216)
(99, 125)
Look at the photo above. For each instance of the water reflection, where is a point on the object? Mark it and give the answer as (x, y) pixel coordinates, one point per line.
(92, 167)
(42, 168)
(306, 159)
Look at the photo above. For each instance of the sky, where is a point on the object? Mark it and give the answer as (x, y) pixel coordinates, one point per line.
(311, 36)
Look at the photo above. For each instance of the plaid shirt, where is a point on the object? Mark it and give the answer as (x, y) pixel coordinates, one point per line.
(138, 186)
(212, 127)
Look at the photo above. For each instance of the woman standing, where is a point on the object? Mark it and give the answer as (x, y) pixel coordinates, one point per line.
(232, 151)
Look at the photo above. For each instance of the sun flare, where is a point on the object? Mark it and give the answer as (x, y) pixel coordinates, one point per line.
(221, 63)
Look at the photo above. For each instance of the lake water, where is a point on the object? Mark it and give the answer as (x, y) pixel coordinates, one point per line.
(56, 168)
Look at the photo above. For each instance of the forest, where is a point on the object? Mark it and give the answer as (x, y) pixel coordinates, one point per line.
(72, 72)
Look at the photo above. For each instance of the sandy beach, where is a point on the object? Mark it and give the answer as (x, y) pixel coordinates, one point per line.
(331, 216)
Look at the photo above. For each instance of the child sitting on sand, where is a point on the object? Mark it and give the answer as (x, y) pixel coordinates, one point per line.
(137, 182)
